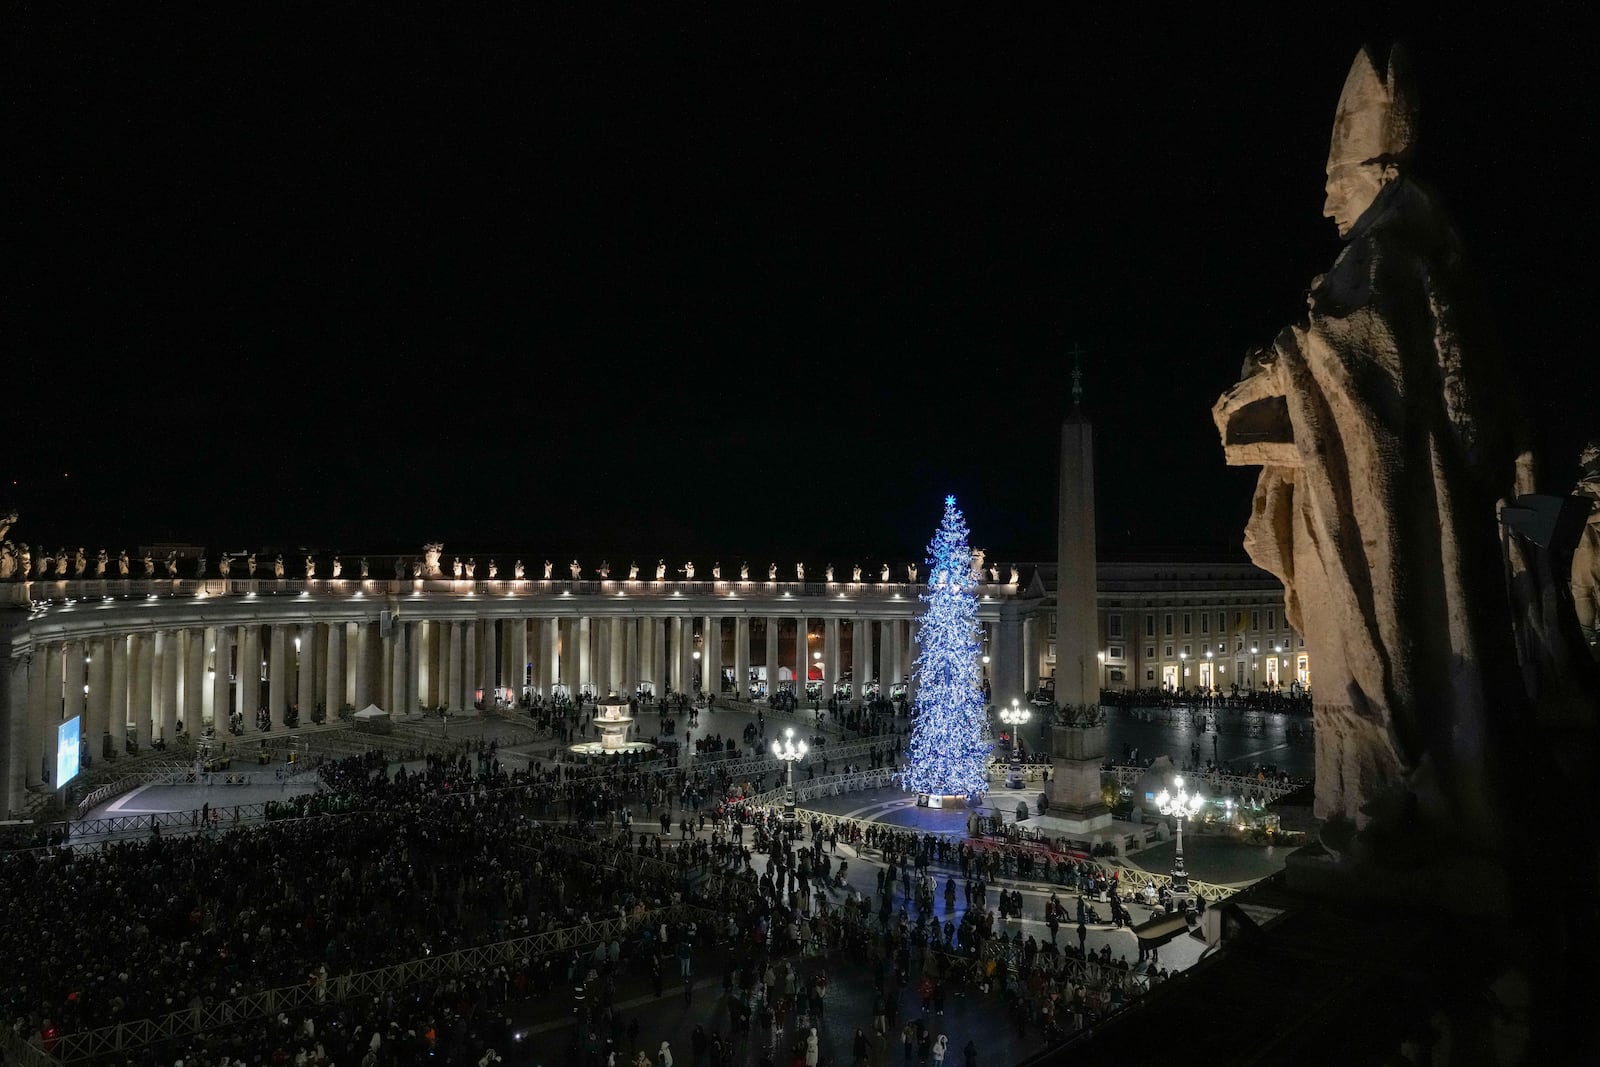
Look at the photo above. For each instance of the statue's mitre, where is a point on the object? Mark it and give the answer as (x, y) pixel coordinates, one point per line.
(1377, 114)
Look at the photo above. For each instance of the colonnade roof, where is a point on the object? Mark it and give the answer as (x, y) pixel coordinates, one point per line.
(86, 607)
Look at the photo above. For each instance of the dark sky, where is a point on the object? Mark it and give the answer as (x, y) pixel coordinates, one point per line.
(729, 285)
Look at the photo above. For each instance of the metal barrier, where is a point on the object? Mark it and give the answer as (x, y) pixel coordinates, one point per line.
(24, 1052)
(76, 1048)
(1221, 784)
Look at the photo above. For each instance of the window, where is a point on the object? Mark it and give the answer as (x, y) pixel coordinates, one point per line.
(1222, 622)
(1169, 624)
(1051, 631)
(1149, 651)
(1188, 650)
(1150, 675)
(1114, 652)
(1114, 625)
(1272, 619)
(1149, 625)
(1050, 652)
(1117, 675)
(1169, 651)
(1188, 624)
(1205, 622)
(1255, 620)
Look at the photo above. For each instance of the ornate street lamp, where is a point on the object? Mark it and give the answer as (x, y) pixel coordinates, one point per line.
(790, 751)
(1014, 717)
(1183, 806)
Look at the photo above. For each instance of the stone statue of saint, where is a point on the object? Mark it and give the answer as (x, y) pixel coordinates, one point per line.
(1379, 426)
(1014, 578)
(827, 573)
(688, 569)
(250, 565)
(46, 561)
(61, 563)
(338, 566)
(772, 572)
(122, 563)
(149, 565)
(172, 563)
(8, 519)
(744, 571)
(311, 567)
(548, 567)
(911, 572)
(471, 567)
(24, 560)
(633, 571)
(457, 567)
(994, 574)
(716, 571)
(661, 569)
(1586, 559)
(494, 570)
(518, 570)
(224, 565)
(362, 570)
(430, 560)
(884, 574)
(80, 563)
(577, 571)
(605, 569)
(400, 568)
(277, 566)
(855, 573)
(416, 568)
(800, 572)
(8, 560)
(200, 566)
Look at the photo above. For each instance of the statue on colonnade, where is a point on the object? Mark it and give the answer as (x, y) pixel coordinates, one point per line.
(911, 572)
(575, 569)
(430, 559)
(80, 563)
(7, 520)
(224, 565)
(8, 560)
(605, 569)
(494, 570)
(548, 567)
(122, 563)
(633, 571)
(884, 574)
(855, 573)
(277, 566)
(517, 570)
(149, 562)
(716, 571)
(171, 563)
(311, 567)
(61, 562)
(661, 569)
(24, 560)
(250, 565)
(772, 572)
(827, 573)
(338, 566)
(744, 571)
(457, 568)
(200, 566)
(471, 567)
(688, 569)
(363, 571)
(800, 572)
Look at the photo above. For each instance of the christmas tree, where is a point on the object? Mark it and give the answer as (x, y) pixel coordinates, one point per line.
(947, 752)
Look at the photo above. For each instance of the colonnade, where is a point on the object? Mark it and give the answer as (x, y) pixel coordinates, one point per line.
(146, 679)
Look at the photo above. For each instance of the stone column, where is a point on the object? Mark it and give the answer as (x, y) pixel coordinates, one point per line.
(741, 657)
(278, 674)
(675, 682)
(461, 661)
(830, 656)
(658, 655)
(772, 654)
(335, 695)
(221, 678)
(73, 678)
(117, 708)
(632, 665)
(453, 683)
(247, 691)
(1030, 654)
(364, 656)
(857, 657)
(711, 655)
(802, 657)
(410, 692)
(98, 703)
(600, 631)
(41, 709)
(195, 690)
(143, 685)
(913, 629)
(517, 660)
(399, 671)
(166, 709)
(549, 654)
(869, 669)
(487, 644)
(14, 717)
(306, 671)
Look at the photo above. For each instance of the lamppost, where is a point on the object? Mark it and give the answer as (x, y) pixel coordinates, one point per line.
(1255, 682)
(1183, 671)
(1183, 806)
(1211, 678)
(1014, 717)
(694, 681)
(1101, 655)
(789, 751)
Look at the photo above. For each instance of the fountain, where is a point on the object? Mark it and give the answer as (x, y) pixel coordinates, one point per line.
(611, 721)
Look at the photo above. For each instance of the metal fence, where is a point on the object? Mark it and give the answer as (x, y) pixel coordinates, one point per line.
(1222, 784)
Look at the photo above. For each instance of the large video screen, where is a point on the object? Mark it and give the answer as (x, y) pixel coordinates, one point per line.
(67, 752)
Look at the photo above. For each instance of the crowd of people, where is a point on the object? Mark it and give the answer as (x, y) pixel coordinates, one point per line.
(386, 864)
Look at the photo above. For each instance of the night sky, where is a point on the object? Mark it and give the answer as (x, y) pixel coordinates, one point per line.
(726, 286)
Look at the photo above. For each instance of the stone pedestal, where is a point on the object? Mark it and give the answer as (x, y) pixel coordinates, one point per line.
(1076, 803)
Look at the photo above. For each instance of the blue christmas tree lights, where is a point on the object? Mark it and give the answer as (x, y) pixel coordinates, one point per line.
(947, 753)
